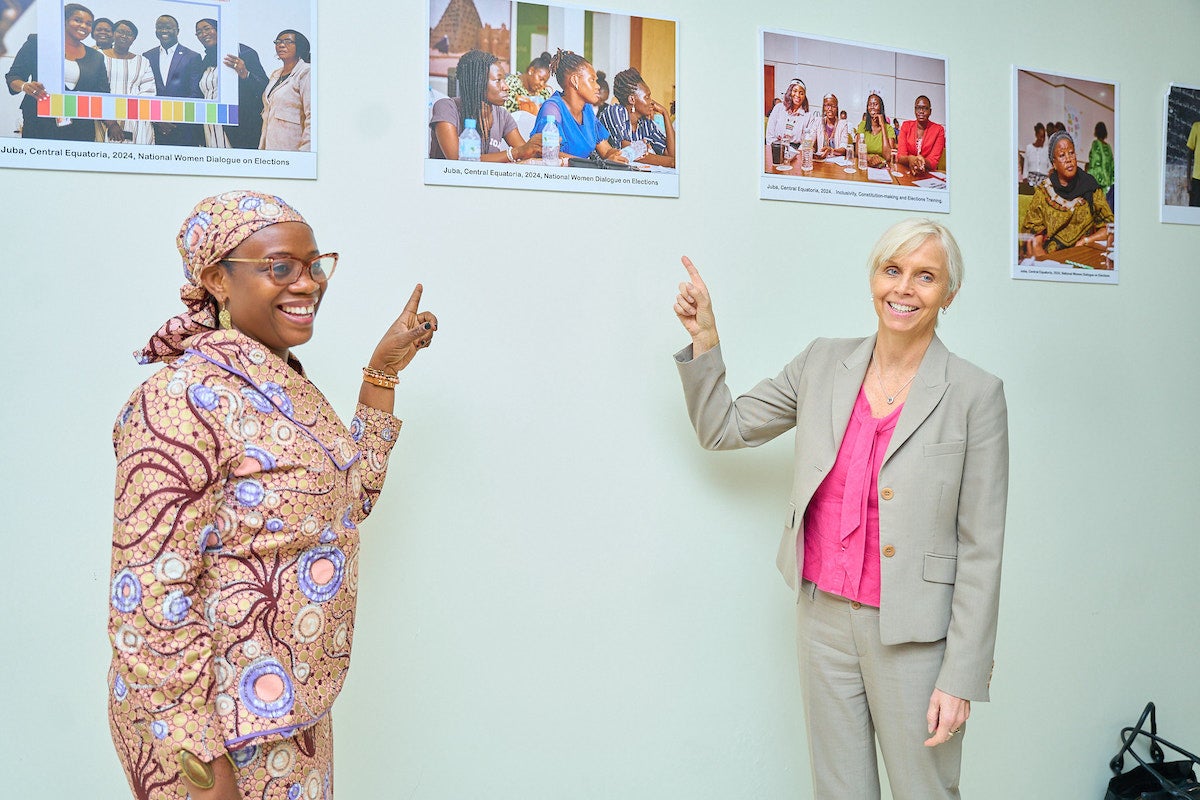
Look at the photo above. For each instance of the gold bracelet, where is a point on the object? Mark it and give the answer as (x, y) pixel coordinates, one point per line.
(380, 378)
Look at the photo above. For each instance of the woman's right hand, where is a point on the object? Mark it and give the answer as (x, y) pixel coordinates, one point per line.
(34, 89)
(531, 149)
(693, 307)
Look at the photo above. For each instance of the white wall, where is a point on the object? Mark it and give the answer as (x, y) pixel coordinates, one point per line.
(561, 594)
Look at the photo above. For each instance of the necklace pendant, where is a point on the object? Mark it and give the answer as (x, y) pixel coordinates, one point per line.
(891, 400)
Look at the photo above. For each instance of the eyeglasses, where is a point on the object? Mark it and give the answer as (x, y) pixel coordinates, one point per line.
(286, 270)
(284, 41)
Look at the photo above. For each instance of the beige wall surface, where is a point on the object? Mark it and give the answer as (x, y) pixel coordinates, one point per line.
(561, 595)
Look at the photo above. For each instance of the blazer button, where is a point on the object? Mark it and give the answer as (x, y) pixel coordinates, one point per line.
(889, 551)
(886, 493)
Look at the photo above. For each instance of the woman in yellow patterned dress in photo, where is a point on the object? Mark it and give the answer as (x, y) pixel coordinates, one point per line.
(1068, 206)
(239, 494)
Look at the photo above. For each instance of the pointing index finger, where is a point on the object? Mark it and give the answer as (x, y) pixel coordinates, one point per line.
(692, 272)
(414, 301)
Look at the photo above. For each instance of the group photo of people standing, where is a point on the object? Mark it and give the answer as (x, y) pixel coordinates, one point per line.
(156, 49)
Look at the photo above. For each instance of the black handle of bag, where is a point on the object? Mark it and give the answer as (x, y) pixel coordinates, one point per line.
(1117, 764)
(1155, 739)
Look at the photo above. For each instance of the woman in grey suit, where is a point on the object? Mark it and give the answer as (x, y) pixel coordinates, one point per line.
(894, 530)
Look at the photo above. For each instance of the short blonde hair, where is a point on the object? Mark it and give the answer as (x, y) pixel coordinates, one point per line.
(906, 236)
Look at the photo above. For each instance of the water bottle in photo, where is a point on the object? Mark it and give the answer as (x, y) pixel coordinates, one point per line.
(634, 150)
(862, 151)
(470, 146)
(550, 143)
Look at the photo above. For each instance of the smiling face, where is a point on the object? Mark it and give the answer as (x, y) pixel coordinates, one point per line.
(207, 34)
(102, 34)
(921, 109)
(123, 37)
(874, 106)
(1063, 159)
(78, 27)
(496, 89)
(909, 290)
(829, 108)
(281, 317)
(166, 30)
(795, 96)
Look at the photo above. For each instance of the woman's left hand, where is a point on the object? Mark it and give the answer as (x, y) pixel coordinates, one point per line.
(946, 716)
(412, 331)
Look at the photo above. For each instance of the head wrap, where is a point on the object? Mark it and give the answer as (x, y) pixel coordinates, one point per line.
(215, 226)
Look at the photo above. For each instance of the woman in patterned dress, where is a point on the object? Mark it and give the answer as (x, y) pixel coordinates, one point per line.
(235, 532)
(130, 74)
(1068, 207)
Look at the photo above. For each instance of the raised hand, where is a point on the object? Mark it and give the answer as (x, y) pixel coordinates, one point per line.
(412, 331)
(693, 307)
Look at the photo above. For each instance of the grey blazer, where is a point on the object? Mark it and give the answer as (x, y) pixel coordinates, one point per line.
(943, 484)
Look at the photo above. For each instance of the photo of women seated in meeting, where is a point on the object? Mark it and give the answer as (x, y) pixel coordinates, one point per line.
(572, 108)
(1068, 206)
(634, 121)
(483, 93)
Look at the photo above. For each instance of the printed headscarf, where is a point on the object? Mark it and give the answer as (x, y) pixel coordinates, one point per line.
(215, 226)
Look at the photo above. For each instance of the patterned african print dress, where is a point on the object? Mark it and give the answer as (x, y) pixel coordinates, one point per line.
(235, 568)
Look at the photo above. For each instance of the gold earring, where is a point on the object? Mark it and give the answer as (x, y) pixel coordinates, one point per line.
(223, 318)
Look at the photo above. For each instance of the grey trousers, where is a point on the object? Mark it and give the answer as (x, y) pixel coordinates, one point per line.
(857, 689)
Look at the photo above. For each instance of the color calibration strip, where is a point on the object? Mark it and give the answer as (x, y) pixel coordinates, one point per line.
(123, 108)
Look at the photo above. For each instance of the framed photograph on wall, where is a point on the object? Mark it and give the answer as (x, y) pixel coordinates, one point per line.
(1181, 148)
(853, 124)
(504, 112)
(1065, 144)
(173, 87)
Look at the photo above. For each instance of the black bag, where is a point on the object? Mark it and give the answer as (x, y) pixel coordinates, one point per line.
(1158, 780)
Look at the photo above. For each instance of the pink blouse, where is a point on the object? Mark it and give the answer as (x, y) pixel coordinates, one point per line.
(841, 523)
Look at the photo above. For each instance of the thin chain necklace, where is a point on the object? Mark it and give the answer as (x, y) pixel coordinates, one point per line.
(891, 398)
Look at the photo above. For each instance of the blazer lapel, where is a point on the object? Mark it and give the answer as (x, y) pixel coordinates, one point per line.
(927, 391)
(846, 383)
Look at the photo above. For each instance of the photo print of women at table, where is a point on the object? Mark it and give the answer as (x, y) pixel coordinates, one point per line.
(634, 118)
(1064, 226)
(876, 132)
(922, 141)
(287, 100)
(1068, 208)
(851, 84)
(573, 109)
(482, 91)
(475, 50)
(83, 71)
(791, 120)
